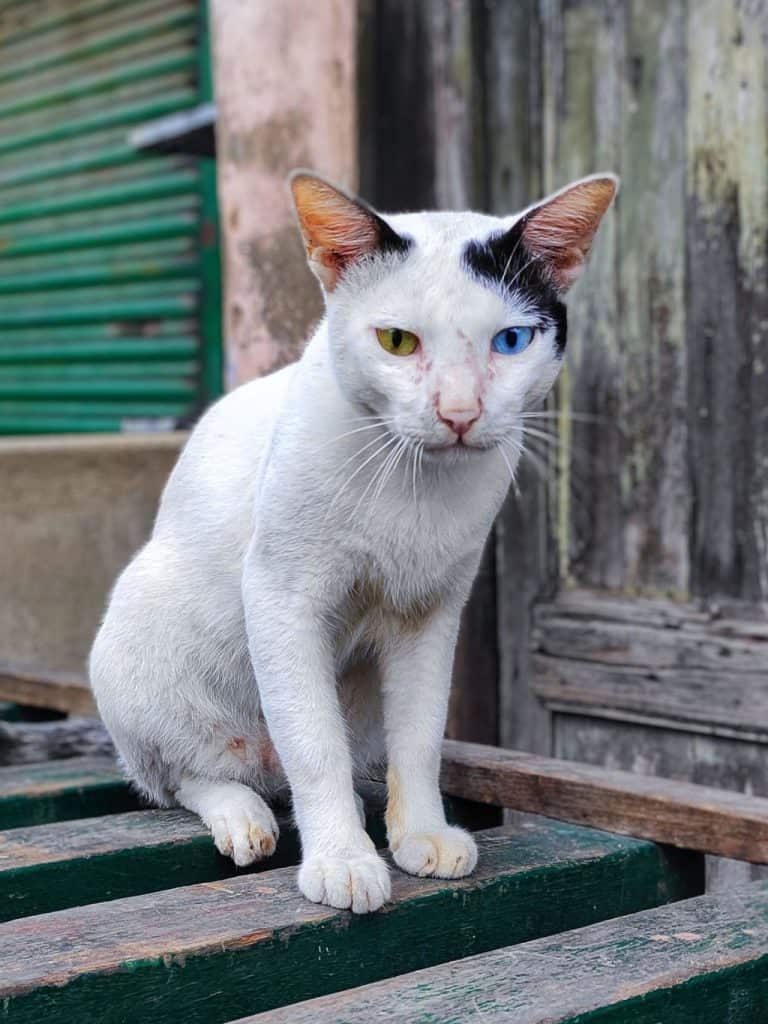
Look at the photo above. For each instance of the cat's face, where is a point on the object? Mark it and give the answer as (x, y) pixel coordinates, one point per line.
(448, 326)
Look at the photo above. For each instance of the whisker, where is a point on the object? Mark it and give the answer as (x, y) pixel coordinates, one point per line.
(508, 464)
(348, 433)
(391, 440)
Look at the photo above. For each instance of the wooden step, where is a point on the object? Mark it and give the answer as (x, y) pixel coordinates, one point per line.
(218, 950)
(78, 787)
(704, 960)
(71, 863)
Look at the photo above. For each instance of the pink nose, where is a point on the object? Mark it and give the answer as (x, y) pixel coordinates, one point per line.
(460, 420)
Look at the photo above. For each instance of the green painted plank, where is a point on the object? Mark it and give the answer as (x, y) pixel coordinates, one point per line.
(182, 60)
(214, 951)
(177, 389)
(702, 961)
(69, 863)
(112, 293)
(114, 275)
(110, 118)
(52, 20)
(157, 187)
(58, 790)
(107, 42)
(31, 173)
(50, 423)
(186, 204)
(98, 332)
(63, 370)
(149, 351)
(118, 234)
(70, 408)
(157, 309)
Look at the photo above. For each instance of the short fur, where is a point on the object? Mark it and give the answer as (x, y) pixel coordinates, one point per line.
(293, 617)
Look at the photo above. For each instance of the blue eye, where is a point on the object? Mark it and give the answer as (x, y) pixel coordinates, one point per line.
(512, 340)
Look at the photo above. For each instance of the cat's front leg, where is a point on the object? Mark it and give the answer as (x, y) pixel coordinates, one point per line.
(416, 684)
(297, 684)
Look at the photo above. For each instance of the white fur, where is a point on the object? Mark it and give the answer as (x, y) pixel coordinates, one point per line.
(287, 587)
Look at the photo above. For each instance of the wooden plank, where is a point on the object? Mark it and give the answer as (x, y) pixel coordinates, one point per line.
(43, 688)
(77, 787)
(69, 863)
(215, 951)
(726, 217)
(682, 814)
(624, 643)
(736, 700)
(704, 960)
(708, 760)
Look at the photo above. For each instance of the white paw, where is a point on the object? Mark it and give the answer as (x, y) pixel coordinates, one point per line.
(447, 853)
(244, 828)
(359, 881)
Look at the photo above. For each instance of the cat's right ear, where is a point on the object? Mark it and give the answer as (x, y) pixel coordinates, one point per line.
(337, 229)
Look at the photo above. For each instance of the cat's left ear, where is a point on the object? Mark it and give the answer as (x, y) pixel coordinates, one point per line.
(338, 230)
(559, 231)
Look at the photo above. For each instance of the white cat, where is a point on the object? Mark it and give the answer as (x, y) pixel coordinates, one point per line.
(295, 613)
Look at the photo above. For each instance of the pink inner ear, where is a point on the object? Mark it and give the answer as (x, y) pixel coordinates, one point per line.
(560, 231)
(336, 230)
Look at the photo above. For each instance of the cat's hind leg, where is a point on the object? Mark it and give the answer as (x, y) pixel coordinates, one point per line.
(242, 825)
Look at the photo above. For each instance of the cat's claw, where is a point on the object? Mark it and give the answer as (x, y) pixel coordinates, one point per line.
(447, 853)
(244, 829)
(359, 882)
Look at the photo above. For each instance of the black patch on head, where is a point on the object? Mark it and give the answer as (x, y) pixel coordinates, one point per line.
(390, 242)
(504, 262)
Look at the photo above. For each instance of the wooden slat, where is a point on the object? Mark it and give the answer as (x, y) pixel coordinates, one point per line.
(77, 787)
(704, 960)
(735, 700)
(69, 863)
(682, 814)
(219, 950)
(61, 691)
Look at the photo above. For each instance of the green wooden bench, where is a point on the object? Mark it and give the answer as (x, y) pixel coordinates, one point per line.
(111, 912)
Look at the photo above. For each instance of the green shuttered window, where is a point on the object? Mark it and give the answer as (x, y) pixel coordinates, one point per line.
(109, 311)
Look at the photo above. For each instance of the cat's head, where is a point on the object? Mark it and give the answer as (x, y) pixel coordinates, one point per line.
(448, 325)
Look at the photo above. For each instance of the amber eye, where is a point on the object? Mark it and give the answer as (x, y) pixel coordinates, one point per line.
(397, 341)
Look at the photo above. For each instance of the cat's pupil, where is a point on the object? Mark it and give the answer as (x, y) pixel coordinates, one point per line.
(397, 338)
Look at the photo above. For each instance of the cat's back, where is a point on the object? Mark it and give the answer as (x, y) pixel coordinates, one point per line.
(213, 484)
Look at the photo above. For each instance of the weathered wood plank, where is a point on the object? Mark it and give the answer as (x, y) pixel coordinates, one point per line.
(727, 242)
(703, 961)
(679, 813)
(77, 787)
(215, 951)
(62, 691)
(27, 742)
(623, 643)
(712, 760)
(737, 700)
(69, 863)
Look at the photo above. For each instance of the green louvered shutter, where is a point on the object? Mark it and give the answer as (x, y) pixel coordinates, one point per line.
(108, 303)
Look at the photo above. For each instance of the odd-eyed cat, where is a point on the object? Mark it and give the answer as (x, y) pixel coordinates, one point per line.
(295, 613)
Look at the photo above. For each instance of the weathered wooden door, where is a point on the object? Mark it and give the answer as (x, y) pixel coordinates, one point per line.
(651, 490)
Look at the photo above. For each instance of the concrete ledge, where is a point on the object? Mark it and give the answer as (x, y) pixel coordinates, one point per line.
(73, 510)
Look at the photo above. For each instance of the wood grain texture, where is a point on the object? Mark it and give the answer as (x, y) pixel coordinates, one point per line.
(77, 787)
(50, 867)
(727, 259)
(682, 814)
(215, 951)
(62, 691)
(703, 961)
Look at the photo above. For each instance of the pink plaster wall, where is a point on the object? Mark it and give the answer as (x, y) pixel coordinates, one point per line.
(285, 74)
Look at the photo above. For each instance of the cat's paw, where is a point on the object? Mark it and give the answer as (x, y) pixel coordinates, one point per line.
(244, 828)
(358, 881)
(447, 853)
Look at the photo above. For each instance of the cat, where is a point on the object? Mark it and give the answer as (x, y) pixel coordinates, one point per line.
(293, 618)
